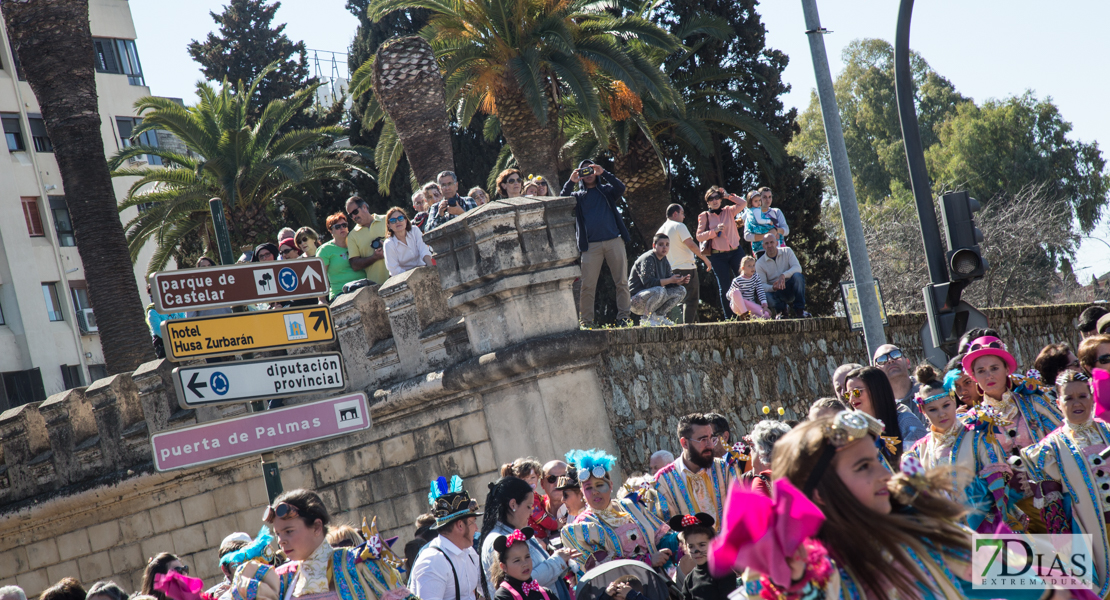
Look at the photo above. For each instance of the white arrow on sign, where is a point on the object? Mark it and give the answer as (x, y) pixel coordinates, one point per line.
(311, 276)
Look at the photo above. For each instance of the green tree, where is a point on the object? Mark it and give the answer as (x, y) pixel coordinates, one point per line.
(995, 150)
(755, 81)
(261, 174)
(54, 46)
(869, 113)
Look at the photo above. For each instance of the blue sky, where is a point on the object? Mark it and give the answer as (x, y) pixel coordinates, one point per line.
(988, 49)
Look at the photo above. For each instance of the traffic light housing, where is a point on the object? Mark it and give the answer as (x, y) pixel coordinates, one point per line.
(965, 259)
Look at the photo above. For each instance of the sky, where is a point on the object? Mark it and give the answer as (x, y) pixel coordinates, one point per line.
(986, 48)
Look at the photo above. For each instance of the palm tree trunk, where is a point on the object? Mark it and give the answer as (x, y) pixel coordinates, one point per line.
(409, 86)
(54, 45)
(535, 146)
(649, 190)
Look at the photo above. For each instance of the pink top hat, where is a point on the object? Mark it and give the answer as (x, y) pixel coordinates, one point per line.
(987, 346)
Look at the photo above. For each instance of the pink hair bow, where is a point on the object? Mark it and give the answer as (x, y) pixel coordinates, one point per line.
(760, 533)
(177, 586)
(1100, 389)
(515, 536)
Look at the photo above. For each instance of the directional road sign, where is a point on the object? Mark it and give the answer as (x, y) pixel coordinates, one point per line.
(260, 432)
(251, 283)
(237, 333)
(265, 378)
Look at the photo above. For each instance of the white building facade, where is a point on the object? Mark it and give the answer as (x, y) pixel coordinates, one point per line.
(48, 335)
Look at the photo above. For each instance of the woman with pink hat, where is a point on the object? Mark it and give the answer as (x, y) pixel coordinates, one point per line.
(1026, 415)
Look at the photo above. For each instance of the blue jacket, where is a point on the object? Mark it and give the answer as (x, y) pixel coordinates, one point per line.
(612, 188)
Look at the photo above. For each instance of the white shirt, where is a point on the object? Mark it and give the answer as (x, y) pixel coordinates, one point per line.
(785, 263)
(431, 577)
(680, 255)
(405, 256)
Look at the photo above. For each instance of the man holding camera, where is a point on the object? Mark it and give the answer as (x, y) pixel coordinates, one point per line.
(655, 288)
(452, 204)
(601, 236)
(364, 242)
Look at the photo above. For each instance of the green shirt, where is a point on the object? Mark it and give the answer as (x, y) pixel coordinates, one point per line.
(337, 262)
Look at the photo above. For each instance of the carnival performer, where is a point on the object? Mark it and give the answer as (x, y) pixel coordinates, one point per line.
(508, 509)
(873, 535)
(315, 570)
(961, 385)
(613, 528)
(512, 573)
(695, 482)
(448, 567)
(696, 532)
(574, 503)
(1069, 475)
(1026, 414)
(967, 447)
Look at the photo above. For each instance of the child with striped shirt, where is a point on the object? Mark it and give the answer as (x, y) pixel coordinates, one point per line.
(746, 292)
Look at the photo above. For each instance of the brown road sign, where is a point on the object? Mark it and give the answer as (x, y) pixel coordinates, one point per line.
(250, 283)
(224, 335)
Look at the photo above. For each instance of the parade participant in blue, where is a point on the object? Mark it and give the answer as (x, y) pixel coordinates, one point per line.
(968, 447)
(316, 570)
(613, 528)
(1026, 414)
(696, 482)
(1069, 475)
(448, 568)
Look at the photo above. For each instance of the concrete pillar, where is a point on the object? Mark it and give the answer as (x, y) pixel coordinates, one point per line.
(414, 301)
(360, 321)
(71, 428)
(123, 419)
(27, 455)
(508, 267)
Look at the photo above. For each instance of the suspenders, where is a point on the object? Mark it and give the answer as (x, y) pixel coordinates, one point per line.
(454, 573)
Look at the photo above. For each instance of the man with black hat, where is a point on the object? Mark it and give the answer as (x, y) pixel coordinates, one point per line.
(601, 236)
(447, 568)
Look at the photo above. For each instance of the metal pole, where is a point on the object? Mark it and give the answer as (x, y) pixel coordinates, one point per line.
(270, 472)
(915, 156)
(873, 332)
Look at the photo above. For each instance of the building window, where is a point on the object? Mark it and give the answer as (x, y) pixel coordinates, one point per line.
(31, 215)
(71, 376)
(12, 132)
(15, 60)
(98, 372)
(38, 134)
(120, 57)
(53, 304)
(22, 387)
(62, 223)
(86, 320)
(147, 138)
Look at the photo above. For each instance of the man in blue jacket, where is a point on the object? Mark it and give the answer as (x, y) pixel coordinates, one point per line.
(601, 236)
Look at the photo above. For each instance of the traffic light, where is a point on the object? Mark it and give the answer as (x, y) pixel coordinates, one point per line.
(965, 259)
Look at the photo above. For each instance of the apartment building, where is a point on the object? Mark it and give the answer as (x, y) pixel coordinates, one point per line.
(48, 334)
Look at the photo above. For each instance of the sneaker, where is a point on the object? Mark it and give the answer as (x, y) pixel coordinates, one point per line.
(805, 315)
(665, 321)
(780, 316)
(649, 321)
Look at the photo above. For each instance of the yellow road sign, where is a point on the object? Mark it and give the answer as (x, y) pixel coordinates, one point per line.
(247, 332)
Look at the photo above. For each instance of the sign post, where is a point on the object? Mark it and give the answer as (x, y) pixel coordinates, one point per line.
(224, 335)
(249, 283)
(236, 382)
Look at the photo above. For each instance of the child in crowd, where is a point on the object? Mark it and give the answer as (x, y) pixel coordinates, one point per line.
(759, 221)
(746, 294)
(513, 575)
(695, 532)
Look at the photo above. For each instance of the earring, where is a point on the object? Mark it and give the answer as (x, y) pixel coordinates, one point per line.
(979, 390)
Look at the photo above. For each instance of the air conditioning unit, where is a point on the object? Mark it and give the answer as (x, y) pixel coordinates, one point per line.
(136, 161)
(86, 320)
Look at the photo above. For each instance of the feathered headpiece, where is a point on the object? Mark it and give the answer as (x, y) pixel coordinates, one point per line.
(594, 462)
(450, 502)
(260, 549)
(950, 379)
(440, 488)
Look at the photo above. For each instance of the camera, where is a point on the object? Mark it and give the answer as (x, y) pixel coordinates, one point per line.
(585, 171)
(452, 202)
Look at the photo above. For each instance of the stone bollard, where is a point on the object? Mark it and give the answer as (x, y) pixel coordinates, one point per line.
(120, 419)
(74, 439)
(414, 301)
(27, 454)
(508, 266)
(360, 321)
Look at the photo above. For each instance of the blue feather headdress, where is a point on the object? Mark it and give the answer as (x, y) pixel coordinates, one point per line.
(441, 488)
(256, 549)
(450, 502)
(591, 462)
(950, 379)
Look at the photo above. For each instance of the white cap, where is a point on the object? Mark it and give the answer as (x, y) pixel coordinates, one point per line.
(238, 536)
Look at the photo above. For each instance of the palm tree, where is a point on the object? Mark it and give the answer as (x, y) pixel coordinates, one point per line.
(516, 60)
(645, 135)
(54, 46)
(257, 170)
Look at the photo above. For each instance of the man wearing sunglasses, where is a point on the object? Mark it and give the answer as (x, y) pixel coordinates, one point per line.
(365, 241)
(697, 481)
(890, 360)
(552, 496)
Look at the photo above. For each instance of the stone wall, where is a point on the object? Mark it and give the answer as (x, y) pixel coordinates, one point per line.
(468, 365)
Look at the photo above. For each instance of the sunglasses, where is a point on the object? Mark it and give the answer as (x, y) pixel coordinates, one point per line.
(1104, 359)
(339, 226)
(996, 345)
(282, 510)
(513, 180)
(852, 393)
(355, 211)
(553, 478)
(264, 254)
(393, 220)
(598, 471)
(183, 569)
(714, 197)
(892, 355)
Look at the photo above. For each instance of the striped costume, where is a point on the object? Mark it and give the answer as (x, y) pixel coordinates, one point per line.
(352, 574)
(623, 530)
(683, 492)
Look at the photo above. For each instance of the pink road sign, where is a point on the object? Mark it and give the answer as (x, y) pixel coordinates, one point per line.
(260, 432)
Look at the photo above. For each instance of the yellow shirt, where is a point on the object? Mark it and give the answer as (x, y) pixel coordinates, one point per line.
(359, 243)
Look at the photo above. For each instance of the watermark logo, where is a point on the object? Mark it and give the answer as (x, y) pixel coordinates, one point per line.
(1010, 561)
